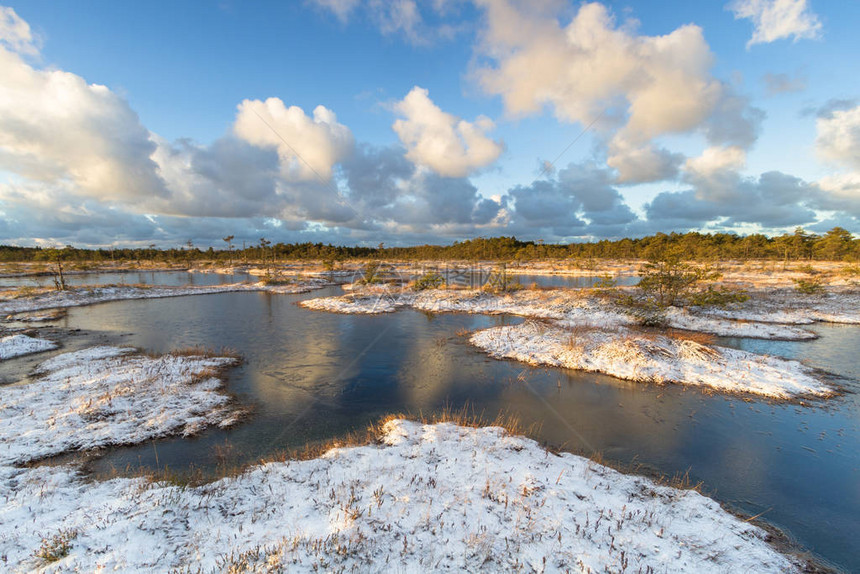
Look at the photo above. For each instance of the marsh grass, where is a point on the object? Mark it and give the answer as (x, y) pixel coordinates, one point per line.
(198, 351)
(226, 456)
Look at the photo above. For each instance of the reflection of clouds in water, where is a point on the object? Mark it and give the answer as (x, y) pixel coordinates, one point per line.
(620, 418)
(299, 371)
(306, 364)
(428, 371)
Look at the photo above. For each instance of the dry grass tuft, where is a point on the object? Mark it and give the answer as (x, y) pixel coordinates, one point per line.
(694, 336)
(207, 352)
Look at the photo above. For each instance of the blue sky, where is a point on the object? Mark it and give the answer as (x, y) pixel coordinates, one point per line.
(205, 124)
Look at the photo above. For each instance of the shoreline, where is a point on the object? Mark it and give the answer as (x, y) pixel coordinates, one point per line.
(588, 332)
(515, 503)
(89, 295)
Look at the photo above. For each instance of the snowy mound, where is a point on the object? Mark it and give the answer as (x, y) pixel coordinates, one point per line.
(106, 395)
(17, 345)
(429, 498)
(651, 358)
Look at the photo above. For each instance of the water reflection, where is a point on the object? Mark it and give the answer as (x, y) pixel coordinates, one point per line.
(169, 278)
(312, 376)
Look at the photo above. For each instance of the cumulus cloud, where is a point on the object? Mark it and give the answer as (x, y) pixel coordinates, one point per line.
(777, 19)
(840, 193)
(642, 164)
(308, 147)
(440, 141)
(721, 195)
(838, 142)
(55, 127)
(390, 192)
(715, 160)
(592, 67)
(838, 138)
(581, 200)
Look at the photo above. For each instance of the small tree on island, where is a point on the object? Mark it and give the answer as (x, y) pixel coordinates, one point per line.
(668, 280)
(229, 241)
(57, 256)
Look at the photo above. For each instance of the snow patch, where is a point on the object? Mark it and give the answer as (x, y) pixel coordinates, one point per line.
(16, 345)
(575, 307)
(430, 498)
(653, 358)
(108, 395)
(89, 295)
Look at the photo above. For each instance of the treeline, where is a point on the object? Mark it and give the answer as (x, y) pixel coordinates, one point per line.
(835, 245)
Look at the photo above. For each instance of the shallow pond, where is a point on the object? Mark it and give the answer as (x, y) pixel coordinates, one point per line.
(311, 376)
(170, 278)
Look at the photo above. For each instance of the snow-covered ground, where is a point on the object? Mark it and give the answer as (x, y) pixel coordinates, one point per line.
(427, 498)
(651, 358)
(790, 307)
(108, 395)
(593, 334)
(17, 345)
(90, 295)
(573, 307)
(727, 325)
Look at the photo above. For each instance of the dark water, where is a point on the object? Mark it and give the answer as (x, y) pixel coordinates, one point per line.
(313, 375)
(170, 278)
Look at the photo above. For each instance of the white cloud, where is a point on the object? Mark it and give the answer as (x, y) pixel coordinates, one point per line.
(715, 159)
(449, 146)
(15, 33)
(308, 147)
(55, 127)
(591, 63)
(839, 137)
(657, 85)
(777, 19)
(643, 163)
(841, 193)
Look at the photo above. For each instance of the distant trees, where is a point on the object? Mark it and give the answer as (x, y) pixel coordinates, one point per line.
(835, 245)
(800, 245)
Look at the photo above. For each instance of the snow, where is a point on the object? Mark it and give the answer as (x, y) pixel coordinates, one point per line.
(737, 326)
(16, 345)
(358, 304)
(789, 306)
(569, 307)
(108, 395)
(90, 295)
(607, 341)
(427, 498)
(651, 358)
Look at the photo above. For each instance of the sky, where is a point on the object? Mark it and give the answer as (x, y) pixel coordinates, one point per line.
(405, 122)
